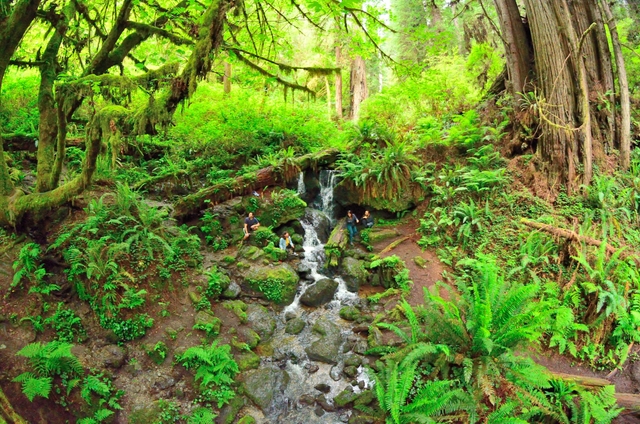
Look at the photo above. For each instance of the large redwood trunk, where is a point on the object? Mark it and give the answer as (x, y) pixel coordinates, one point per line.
(358, 86)
(338, 82)
(567, 86)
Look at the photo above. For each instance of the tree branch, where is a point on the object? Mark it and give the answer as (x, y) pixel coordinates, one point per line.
(26, 63)
(150, 29)
(285, 67)
(281, 81)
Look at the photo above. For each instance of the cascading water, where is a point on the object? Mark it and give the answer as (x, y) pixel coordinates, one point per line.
(328, 181)
(302, 189)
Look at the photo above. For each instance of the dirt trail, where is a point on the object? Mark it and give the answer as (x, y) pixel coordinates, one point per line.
(408, 250)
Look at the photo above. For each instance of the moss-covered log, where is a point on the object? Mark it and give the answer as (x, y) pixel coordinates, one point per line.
(7, 412)
(336, 244)
(190, 206)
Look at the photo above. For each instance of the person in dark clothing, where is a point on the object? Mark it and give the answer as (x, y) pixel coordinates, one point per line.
(352, 220)
(367, 220)
(251, 224)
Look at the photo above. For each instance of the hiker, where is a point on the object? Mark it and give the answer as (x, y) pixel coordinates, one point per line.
(287, 243)
(367, 220)
(352, 220)
(251, 224)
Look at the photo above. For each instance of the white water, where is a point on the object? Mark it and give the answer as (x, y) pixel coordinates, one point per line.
(302, 189)
(328, 181)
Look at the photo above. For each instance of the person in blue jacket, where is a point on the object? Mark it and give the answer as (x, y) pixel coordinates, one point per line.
(352, 220)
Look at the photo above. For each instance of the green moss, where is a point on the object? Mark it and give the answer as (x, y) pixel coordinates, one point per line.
(277, 283)
(248, 361)
(247, 419)
(238, 307)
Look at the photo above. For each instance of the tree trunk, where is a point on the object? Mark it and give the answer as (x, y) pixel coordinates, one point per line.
(517, 47)
(328, 88)
(189, 206)
(339, 83)
(625, 104)
(226, 78)
(358, 88)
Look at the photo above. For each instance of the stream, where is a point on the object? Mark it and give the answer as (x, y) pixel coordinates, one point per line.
(289, 350)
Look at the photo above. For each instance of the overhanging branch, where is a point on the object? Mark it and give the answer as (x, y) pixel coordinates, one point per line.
(278, 79)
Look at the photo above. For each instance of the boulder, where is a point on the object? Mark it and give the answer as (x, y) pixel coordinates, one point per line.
(263, 385)
(261, 320)
(277, 283)
(354, 273)
(380, 234)
(206, 319)
(346, 397)
(349, 313)
(248, 336)
(319, 293)
(295, 326)
(327, 348)
(247, 361)
(111, 356)
(230, 411)
(232, 291)
(322, 387)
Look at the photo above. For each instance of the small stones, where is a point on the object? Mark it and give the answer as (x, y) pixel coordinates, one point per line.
(322, 387)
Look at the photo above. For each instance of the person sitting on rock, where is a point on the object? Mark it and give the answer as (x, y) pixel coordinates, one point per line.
(251, 224)
(352, 220)
(367, 220)
(286, 243)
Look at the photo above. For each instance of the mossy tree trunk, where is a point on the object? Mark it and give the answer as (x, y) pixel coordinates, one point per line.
(570, 83)
(358, 88)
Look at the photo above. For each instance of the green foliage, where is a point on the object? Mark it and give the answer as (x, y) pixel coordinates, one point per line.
(272, 288)
(217, 282)
(215, 370)
(28, 267)
(393, 273)
(201, 416)
(67, 324)
(212, 229)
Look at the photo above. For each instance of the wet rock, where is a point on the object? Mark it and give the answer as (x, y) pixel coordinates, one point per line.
(261, 320)
(353, 361)
(325, 404)
(350, 371)
(335, 373)
(262, 385)
(365, 398)
(346, 397)
(354, 273)
(349, 313)
(319, 411)
(247, 361)
(307, 399)
(322, 387)
(230, 411)
(277, 283)
(319, 293)
(344, 417)
(232, 292)
(295, 326)
(249, 337)
(111, 356)
(303, 270)
(289, 315)
(327, 348)
(312, 368)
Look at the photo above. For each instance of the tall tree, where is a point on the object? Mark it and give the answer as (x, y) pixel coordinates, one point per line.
(571, 79)
(358, 86)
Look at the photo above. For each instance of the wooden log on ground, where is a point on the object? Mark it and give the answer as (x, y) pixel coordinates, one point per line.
(189, 206)
(392, 245)
(581, 379)
(572, 235)
(336, 244)
(7, 413)
(629, 401)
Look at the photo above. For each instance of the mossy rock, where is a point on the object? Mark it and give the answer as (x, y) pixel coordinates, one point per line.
(295, 326)
(230, 411)
(263, 385)
(354, 273)
(243, 265)
(380, 234)
(145, 414)
(297, 239)
(262, 321)
(420, 261)
(207, 320)
(284, 206)
(195, 297)
(346, 397)
(365, 398)
(157, 352)
(349, 313)
(248, 361)
(248, 336)
(238, 307)
(247, 419)
(277, 283)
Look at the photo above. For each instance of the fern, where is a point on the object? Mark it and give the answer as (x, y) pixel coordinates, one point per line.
(201, 416)
(33, 386)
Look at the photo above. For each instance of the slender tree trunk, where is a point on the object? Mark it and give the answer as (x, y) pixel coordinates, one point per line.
(328, 88)
(358, 88)
(625, 104)
(607, 78)
(339, 82)
(517, 45)
(226, 78)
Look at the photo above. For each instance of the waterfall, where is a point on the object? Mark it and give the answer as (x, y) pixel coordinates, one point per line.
(302, 189)
(328, 181)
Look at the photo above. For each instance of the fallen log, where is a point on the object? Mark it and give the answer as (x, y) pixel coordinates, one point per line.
(581, 379)
(189, 206)
(336, 244)
(392, 245)
(7, 413)
(628, 401)
(572, 235)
